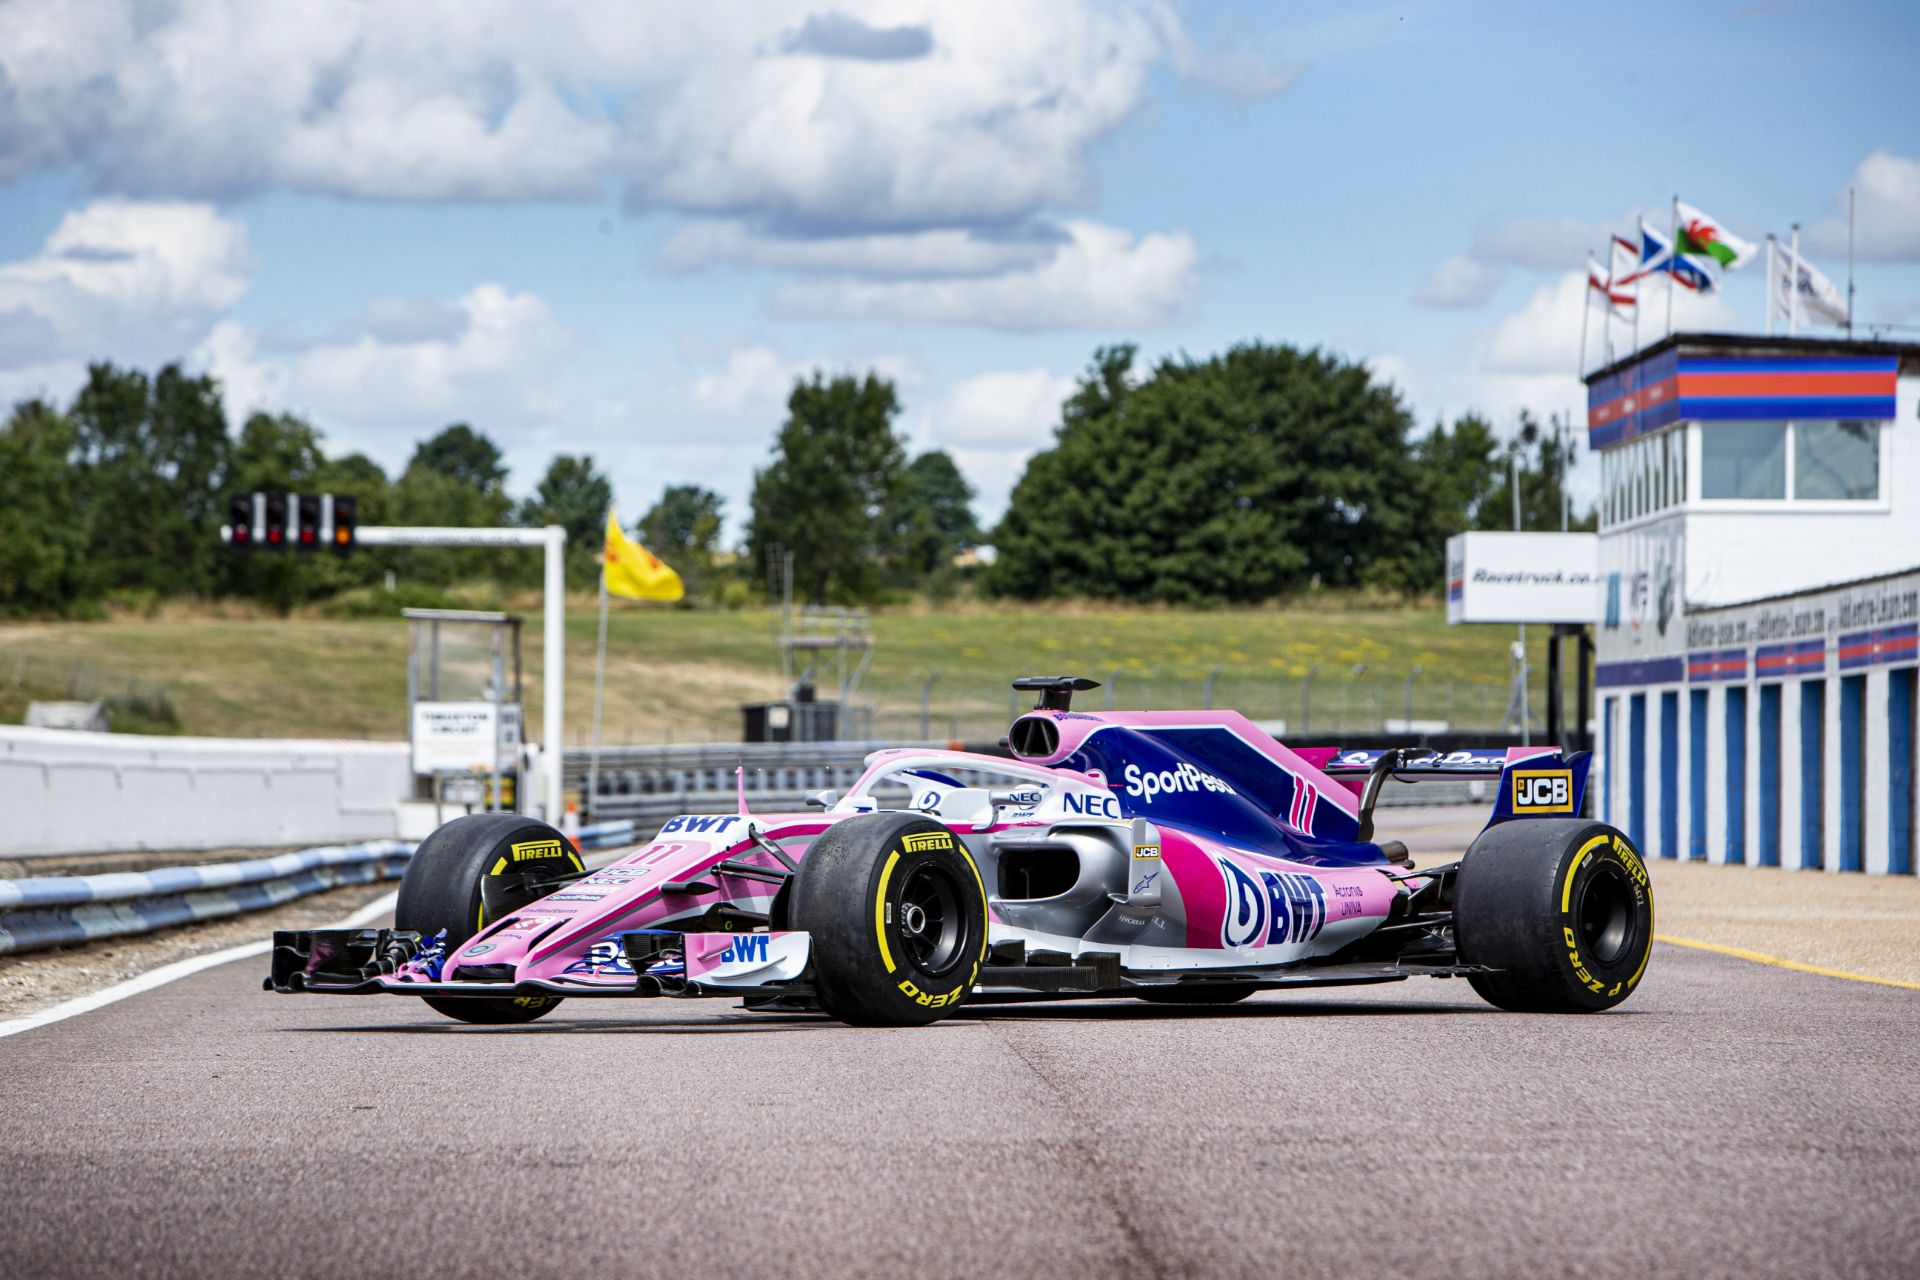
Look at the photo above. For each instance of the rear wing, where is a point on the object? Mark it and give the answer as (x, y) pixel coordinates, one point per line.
(1535, 782)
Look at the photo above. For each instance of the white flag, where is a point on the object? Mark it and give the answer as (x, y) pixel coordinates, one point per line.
(1796, 277)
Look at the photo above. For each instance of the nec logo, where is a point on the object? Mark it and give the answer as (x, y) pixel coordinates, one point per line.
(1543, 791)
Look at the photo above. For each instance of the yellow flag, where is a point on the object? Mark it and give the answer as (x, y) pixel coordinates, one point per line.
(632, 571)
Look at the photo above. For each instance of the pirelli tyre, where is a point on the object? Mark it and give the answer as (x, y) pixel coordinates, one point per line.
(470, 872)
(1559, 909)
(897, 915)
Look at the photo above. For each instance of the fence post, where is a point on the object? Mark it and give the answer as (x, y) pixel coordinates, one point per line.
(926, 694)
(1211, 677)
(1306, 698)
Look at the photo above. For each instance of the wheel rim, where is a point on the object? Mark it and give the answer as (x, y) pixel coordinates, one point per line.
(1603, 918)
(930, 920)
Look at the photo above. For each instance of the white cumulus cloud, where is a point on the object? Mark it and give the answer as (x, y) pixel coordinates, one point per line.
(991, 423)
(128, 279)
(1102, 278)
(1458, 284)
(1886, 211)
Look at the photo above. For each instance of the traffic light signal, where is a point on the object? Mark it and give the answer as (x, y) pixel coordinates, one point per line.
(305, 522)
(275, 534)
(346, 522)
(240, 520)
(306, 528)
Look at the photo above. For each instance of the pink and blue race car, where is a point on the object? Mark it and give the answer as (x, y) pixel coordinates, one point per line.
(1173, 856)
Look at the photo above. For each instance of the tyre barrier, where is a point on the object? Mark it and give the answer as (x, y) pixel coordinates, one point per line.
(58, 911)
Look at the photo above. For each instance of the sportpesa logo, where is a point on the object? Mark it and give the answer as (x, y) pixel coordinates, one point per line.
(1146, 784)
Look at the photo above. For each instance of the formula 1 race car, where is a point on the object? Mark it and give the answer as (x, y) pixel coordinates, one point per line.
(1179, 857)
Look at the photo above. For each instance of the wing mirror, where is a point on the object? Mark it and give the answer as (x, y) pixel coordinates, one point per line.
(825, 799)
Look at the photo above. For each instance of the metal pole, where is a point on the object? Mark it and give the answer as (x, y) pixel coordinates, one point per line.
(1306, 697)
(1849, 262)
(553, 668)
(1211, 677)
(1586, 309)
(1673, 258)
(1793, 294)
(599, 685)
(1406, 717)
(1773, 282)
(926, 696)
(1112, 680)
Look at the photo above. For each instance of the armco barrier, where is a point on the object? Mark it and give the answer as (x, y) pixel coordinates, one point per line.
(648, 785)
(54, 911)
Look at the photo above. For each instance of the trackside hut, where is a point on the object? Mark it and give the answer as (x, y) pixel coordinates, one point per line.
(1760, 574)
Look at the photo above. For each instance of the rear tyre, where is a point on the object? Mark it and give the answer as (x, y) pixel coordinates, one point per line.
(1561, 909)
(469, 873)
(1198, 993)
(897, 915)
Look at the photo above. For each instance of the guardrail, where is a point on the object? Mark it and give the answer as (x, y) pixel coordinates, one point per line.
(56, 911)
(651, 784)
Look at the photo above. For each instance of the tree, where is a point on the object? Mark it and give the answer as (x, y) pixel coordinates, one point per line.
(43, 531)
(1234, 478)
(931, 517)
(457, 479)
(463, 455)
(836, 464)
(684, 523)
(150, 461)
(575, 495)
(1544, 461)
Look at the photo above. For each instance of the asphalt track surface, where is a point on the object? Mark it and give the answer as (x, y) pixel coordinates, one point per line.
(1730, 1119)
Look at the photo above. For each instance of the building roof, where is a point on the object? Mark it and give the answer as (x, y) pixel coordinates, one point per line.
(1908, 353)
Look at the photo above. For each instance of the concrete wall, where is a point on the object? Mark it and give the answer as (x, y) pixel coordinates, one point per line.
(65, 792)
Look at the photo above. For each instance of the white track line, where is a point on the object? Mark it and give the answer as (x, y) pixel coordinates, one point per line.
(173, 972)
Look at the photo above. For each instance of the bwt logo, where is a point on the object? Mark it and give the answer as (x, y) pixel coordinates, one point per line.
(715, 825)
(1543, 791)
(1147, 785)
(748, 948)
(1272, 908)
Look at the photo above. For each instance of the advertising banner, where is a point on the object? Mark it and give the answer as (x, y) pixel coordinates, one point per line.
(1523, 577)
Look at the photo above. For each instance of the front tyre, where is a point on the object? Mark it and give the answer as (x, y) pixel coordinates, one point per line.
(897, 915)
(470, 872)
(1560, 909)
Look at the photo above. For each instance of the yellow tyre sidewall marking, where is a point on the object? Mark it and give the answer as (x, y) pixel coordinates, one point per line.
(880, 910)
(1566, 900)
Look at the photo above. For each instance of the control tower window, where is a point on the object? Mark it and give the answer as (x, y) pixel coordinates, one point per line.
(1743, 460)
(1836, 460)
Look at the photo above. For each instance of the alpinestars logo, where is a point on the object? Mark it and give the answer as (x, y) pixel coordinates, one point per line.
(1146, 784)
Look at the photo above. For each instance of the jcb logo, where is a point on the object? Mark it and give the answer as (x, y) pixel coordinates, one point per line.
(1543, 791)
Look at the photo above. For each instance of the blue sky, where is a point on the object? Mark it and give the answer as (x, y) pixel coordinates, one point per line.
(625, 230)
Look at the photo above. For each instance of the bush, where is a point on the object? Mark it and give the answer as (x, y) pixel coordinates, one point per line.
(377, 602)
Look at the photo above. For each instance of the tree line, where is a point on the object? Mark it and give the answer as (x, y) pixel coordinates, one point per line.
(1240, 477)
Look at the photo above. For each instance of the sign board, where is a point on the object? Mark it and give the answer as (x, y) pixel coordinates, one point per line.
(465, 736)
(1523, 577)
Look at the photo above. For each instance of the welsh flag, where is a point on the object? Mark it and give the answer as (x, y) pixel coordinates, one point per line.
(1703, 237)
(1656, 254)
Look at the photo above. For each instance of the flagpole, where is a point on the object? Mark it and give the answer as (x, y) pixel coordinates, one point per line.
(1586, 306)
(1793, 294)
(1673, 258)
(599, 685)
(1773, 282)
(1849, 262)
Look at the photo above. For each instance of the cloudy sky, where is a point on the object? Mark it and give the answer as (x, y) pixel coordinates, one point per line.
(624, 229)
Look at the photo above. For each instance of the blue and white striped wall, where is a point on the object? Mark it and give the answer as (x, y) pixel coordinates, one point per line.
(1798, 764)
